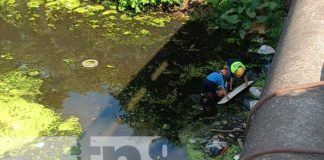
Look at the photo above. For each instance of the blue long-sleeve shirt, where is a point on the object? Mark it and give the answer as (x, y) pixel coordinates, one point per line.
(217, 78)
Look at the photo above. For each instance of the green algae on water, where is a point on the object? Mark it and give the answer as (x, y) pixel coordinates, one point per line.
(21, 117)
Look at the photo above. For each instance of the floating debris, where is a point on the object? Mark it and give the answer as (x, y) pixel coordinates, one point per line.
(40, 145)
(89, 63)
(110, 66)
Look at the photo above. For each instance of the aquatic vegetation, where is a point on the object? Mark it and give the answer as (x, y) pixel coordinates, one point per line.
(153, 21)
(125, 17)
(34, 4)
(89, 10)
(109, 12)
(21, 117)
(17, 85)
(138, 5)
(9, 12)
(121, 28)
(68, 61)
(7, 56)
(144, 31)
(61, 4)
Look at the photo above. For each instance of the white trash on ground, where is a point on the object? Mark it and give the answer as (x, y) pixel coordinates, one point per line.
(253, 103)
(265, 49)
(255, 91)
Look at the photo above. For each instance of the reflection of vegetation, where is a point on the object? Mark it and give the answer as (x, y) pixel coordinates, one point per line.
(21, 117)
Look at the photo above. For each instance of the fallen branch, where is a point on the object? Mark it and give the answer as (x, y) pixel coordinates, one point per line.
(227, 131)
(239, 140)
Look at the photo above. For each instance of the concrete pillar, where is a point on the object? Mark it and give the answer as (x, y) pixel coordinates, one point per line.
(297, 119)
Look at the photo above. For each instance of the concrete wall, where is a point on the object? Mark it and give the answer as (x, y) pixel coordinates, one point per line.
(297, 119)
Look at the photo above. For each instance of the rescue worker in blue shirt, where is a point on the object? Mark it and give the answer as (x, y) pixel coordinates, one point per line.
(214, 84)
(235, 69)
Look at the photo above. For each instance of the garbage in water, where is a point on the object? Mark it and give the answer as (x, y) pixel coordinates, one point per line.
(237, 157)
(90, 63)
(40, 145)
(255, 91)
(216, 146)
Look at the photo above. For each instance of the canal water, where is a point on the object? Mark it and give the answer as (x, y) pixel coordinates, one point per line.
(55, 45)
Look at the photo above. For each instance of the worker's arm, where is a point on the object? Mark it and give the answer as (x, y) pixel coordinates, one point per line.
(245, 80)
(231, 84)
(225, 94)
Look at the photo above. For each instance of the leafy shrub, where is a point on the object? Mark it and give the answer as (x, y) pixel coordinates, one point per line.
(137, 5)
(241, 15)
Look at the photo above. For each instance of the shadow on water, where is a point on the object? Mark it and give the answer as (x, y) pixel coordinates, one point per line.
(155, 101)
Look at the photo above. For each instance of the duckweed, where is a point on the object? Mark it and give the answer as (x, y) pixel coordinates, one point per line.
(20, 117)
(115, 26)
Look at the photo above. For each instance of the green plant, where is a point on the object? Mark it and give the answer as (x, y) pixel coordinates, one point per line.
(240, 15)
(230, 153)
(137, 5)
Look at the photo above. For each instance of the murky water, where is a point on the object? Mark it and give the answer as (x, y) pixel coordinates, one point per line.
(69, 88)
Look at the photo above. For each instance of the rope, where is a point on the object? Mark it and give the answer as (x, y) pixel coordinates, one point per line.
(264, 99)
(280, 92)
(283, 150)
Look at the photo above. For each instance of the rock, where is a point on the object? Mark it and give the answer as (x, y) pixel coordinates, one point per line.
(23, 66)
(44, 73)
(255, 91)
